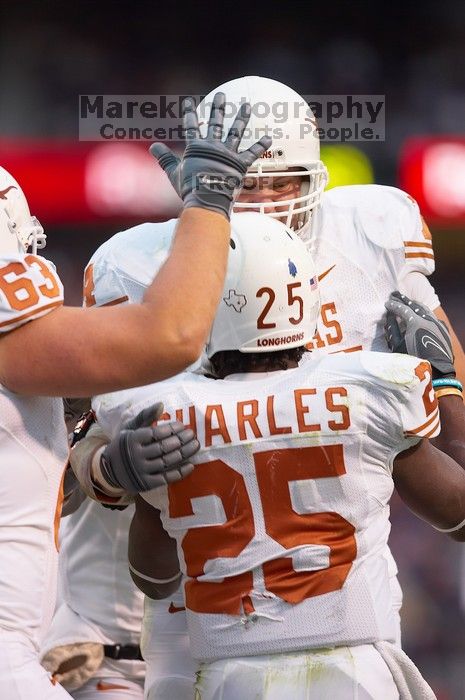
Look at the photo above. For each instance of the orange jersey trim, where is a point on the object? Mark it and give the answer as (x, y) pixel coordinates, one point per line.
(121, 300)
(355, 348)
(101, 685)
(420, 255)
(326, 272)
(31, 313)
(415, 244)
(415, 431)
(59, 508)
(434, 428)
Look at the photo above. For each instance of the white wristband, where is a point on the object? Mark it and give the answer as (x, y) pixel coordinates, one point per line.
(83, 463)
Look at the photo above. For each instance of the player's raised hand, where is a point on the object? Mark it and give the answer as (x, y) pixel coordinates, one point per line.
(143, 456)
(420, 333)
(211, 171)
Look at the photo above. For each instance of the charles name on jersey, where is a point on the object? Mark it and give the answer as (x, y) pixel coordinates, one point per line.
(254, 418)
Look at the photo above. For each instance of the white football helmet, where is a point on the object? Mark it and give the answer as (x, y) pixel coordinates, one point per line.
(281, 113)
(18, 229)
(270, 298)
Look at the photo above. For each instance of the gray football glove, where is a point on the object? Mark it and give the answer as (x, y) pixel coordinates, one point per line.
(211, 171)
(142, 456)
(421, 334)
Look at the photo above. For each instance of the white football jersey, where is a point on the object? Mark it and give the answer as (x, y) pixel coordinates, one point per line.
(33, 452)
(282, 526)
(29, 288)
(170, 668)
(364, 238)
(122, 268)
(367, 237)
(98, 599)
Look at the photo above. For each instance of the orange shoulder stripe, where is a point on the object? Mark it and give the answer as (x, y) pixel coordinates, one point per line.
(434, 428)
(420, 255)
(30, 313)
(433, 417)
(418, 244)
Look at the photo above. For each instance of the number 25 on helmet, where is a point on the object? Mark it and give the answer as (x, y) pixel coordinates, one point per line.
(270, 299)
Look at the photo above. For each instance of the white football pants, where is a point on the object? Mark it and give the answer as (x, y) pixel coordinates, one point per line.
(338, 673)
(108, 688)
(22, 677)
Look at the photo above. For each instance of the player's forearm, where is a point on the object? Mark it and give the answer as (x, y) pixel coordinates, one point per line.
(190, 283)
(451, 439)
(152, 586)
(432, 485)
(459, 353)
(439, 498)
(117, 347)
(152, 554)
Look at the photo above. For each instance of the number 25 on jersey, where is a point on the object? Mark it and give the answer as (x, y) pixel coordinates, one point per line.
(275, 471)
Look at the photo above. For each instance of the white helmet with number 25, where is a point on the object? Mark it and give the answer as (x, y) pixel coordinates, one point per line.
(281, 113)
(18, 229)
(270, 298)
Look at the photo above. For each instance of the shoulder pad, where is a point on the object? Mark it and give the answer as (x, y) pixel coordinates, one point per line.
(124, 266)
(29, 288)
(386, 215)
(390, 368)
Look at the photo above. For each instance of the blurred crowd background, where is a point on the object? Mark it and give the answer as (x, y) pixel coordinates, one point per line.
(414, 53)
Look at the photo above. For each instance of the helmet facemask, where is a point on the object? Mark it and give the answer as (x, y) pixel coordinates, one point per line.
(294, 212)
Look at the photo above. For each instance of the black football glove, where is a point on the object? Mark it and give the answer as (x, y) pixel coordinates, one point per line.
(142, 456)
(421, 334)
(211, 171)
